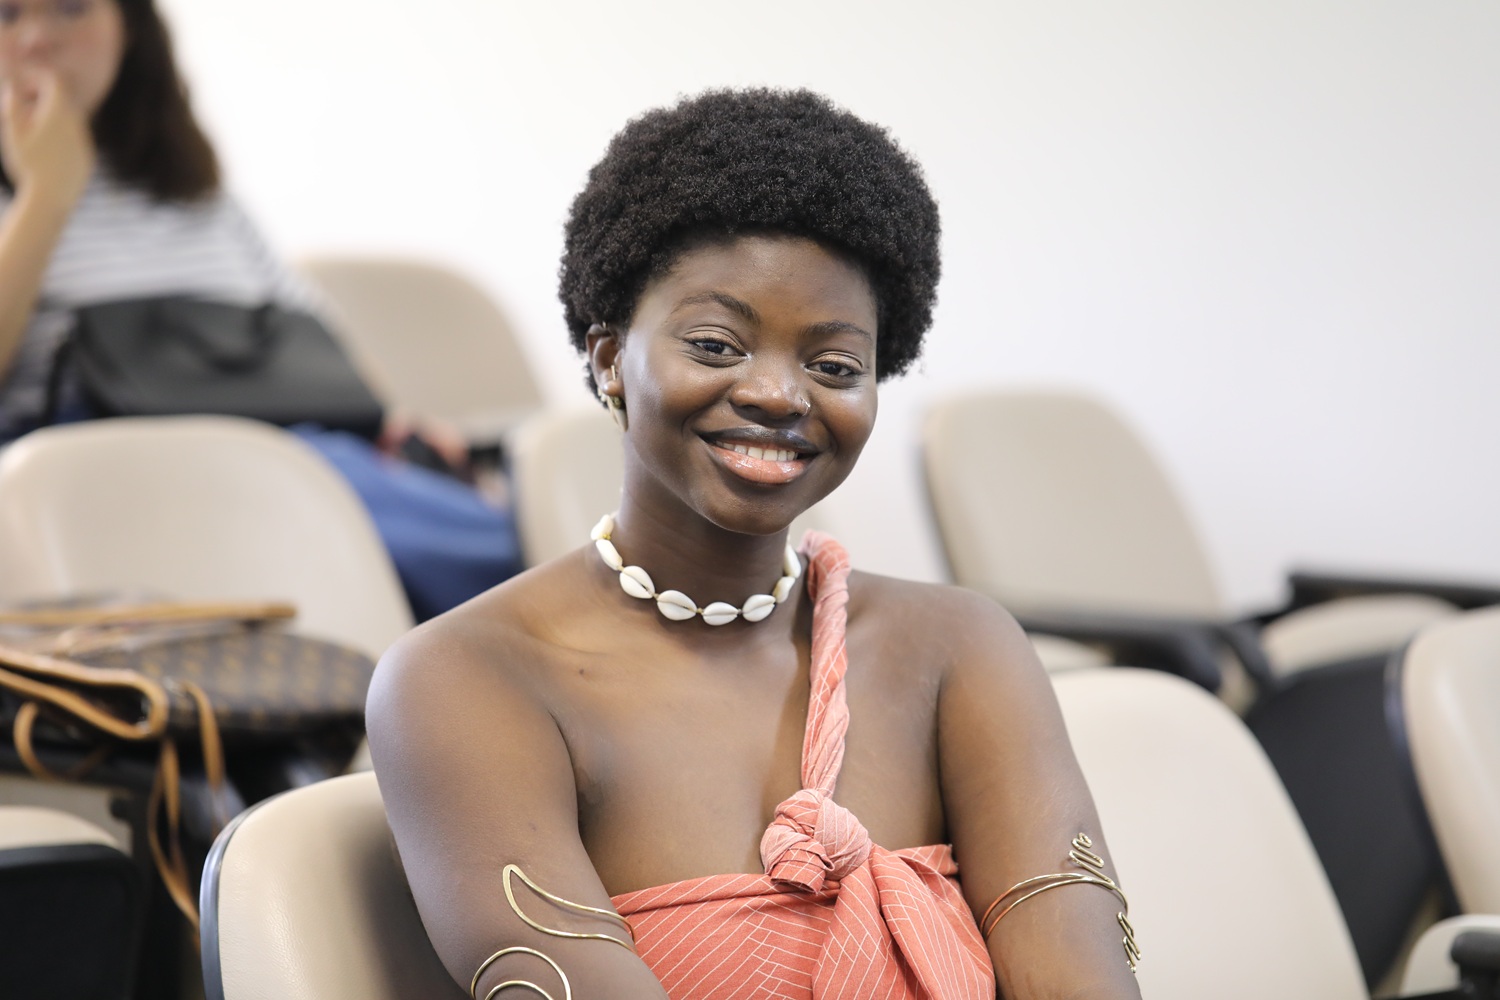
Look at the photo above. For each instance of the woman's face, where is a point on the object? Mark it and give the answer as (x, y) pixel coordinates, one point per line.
(748, 375)
(82, 41)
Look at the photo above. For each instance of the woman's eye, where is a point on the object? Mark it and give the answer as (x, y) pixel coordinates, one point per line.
(714, 348)
(9, 13)
(836, 369)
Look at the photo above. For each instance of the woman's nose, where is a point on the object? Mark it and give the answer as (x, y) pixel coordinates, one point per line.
(34, 34)
(34, 31)
(771, 386)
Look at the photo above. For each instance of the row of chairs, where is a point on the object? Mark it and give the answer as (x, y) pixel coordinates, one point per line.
(1099, 550)
(1067, 518)
(198, 472)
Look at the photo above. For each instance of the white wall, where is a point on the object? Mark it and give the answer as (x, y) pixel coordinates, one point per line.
(1267, 230)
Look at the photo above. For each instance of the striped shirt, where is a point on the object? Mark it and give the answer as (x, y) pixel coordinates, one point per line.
(120, 243)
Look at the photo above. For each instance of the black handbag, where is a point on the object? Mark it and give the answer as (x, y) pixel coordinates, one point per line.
(178, 355)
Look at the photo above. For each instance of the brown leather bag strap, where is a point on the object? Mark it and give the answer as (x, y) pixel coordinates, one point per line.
(43, 678)
(166, 796)
(26, 717)
(159, 612)
(41, 683)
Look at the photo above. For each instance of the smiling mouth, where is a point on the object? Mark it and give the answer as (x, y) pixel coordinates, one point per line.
(762, 466)
(763, 454)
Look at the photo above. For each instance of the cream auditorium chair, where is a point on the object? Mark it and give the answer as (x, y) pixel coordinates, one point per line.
(1049, 502)
(1227, 896)
(303, 898)
(1448, 688)
(196, 508)
(431, 340)
(71, 908)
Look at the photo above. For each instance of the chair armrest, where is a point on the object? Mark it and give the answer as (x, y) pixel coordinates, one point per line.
(1310, 588)
(1451, 952)
(1190, 648)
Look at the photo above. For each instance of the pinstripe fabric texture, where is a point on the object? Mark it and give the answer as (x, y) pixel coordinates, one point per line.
(834, 917)
(121, 243)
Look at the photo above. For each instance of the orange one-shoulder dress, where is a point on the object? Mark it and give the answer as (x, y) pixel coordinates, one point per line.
(834, 917)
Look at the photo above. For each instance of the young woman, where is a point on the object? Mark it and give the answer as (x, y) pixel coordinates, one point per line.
(792, 780)
(109, 191)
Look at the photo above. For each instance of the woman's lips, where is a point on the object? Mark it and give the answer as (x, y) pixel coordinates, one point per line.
(769, 466)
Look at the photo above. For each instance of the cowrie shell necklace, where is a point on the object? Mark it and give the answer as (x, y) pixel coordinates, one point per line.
(676, 605)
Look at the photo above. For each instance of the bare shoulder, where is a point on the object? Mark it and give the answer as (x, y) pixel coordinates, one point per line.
(944, 624)
(492, 654)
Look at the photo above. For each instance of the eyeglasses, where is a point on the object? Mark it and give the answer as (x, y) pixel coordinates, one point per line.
(57, 13)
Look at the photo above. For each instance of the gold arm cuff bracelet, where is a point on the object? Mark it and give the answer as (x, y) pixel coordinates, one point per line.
(506, 874)
(1092, 874)
(522, 983)
(510, 897)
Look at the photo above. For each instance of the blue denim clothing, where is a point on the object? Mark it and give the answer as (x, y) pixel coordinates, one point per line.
(447, 543)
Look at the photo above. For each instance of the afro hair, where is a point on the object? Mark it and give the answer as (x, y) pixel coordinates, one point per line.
(742, 161)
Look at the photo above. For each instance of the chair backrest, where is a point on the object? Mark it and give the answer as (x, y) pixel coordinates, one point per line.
(567, 468)
(1450, 693)
(1047, 501)
(1226, 893)
(566, 471)
(303, 899)
(196, 508)
(431, 339)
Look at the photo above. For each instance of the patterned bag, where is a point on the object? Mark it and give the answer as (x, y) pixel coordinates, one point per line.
(97, 676)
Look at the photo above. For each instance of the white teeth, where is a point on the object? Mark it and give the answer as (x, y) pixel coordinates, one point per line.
(765, 454)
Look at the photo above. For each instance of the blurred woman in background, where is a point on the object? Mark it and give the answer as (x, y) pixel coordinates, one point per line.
(110, 191)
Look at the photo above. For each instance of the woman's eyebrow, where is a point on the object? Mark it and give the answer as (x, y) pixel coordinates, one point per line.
(747, 311)
(734, 305)
(837, 326)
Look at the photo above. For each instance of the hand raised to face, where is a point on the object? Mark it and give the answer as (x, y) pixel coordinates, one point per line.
(44, 138)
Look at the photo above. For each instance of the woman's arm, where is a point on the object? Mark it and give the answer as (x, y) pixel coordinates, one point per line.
(1015, 799)
(476, 776)
(49, 156)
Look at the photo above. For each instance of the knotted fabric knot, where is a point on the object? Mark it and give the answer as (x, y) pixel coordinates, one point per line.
(812, 839)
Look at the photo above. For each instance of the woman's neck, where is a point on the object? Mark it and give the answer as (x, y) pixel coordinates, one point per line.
(697, 557)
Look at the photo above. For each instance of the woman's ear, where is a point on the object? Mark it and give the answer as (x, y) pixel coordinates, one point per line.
(603, 344)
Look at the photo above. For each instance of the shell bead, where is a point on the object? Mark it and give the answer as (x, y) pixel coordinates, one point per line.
(676, 605)
(609, 554)
(758, 607)
(720, 613)
(636, 582)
